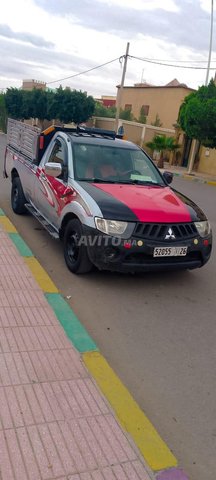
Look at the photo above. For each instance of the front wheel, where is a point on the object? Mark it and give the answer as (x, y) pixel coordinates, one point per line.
(75, 250)
(18, 199)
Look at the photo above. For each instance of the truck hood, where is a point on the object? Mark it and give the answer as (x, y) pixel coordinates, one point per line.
(143, 203)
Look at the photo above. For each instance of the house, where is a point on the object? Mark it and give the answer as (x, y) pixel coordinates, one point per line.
(107, 100)
(156, 101)
(30, 84)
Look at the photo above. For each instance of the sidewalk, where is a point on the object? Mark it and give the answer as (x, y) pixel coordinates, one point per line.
(194, 176)
(54, 423)
(64, 414)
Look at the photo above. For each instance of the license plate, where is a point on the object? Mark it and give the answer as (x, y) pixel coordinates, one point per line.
(170, 251)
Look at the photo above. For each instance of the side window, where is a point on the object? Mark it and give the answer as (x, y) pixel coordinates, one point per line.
(59, 155)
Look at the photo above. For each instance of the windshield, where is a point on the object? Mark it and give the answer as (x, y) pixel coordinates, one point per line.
(112, 164)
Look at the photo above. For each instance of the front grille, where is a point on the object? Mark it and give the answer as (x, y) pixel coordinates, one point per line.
(158, 231)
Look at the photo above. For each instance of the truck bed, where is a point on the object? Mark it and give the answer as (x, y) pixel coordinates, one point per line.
(23, 138)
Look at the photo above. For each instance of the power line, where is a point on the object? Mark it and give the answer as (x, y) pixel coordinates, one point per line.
(85, 71)
(168, 64)
(176, 61)
(147, 60)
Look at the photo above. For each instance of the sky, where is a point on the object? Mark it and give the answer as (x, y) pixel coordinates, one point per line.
(49, 40)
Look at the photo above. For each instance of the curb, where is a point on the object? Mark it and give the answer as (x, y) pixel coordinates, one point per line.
(154, 450)
(194, 178)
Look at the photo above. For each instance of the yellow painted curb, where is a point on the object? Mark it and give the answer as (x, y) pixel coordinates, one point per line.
(7, 225)
(155, 451)
(40, 275)
(212, 183)
(188, 177)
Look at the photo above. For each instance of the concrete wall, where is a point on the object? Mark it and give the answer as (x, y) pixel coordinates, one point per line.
(138, 133)
(207, 163)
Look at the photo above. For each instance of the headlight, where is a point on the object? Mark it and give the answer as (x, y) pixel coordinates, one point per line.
(203, 228)
(110, 227)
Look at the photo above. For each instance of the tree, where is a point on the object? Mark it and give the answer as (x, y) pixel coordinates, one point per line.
(157, 122)
(65, 105)
(71, 106)
(162, 144)
(3, 113)
(40, 100)
(126, 114)
(142, 116)
(27, 110)
(102, 111)
(197, 115)
(14, 103)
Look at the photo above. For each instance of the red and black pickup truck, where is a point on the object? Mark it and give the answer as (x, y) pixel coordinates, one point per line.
(105, 199)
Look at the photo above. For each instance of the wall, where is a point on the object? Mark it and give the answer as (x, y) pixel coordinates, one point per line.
(207, 164)
(135, 132)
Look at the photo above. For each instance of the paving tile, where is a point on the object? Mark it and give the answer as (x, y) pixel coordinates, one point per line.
(120, 436)
(6, 465)
(28, 454)
(40, 454)
(135, 471)
(140, 470)
(22, 298)
(98, 398)
(103, 421)
(55, 464)
(39, 366)
(26, 316)
(5, 414)
(15, 455)
(78, 446)
(22, 339)
(61, 446)
(93, 442)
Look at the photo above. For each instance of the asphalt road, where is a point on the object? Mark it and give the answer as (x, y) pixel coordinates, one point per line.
(156, 330)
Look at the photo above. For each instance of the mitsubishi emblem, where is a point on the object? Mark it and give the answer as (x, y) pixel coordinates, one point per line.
(170, 235)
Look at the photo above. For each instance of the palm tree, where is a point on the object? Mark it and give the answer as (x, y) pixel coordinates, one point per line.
(162, 144)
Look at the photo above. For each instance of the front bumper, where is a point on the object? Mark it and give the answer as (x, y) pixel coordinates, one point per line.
(135, 255)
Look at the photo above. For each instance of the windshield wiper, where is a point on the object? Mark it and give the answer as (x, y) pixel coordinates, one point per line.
(97, 180)
(144, 182)
(124, 182)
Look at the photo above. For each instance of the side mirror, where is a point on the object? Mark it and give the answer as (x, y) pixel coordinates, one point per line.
(168, 177)
(53, 169)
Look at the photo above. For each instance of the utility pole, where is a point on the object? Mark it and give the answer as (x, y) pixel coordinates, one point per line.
(210, 44)
(195, 142)
(121, 88)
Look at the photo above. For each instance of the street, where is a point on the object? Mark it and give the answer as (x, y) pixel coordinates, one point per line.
(157, 331)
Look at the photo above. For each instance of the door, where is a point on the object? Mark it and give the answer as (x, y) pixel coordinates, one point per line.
(186, 151)
(50, 192)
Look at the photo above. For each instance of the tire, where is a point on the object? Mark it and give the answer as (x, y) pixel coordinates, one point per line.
(76, 256)
(18, 199)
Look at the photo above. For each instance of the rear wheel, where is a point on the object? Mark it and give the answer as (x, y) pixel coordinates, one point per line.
(75, 252)
(18, 199)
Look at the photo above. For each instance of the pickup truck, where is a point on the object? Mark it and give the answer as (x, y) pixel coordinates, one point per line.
(105, 199)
